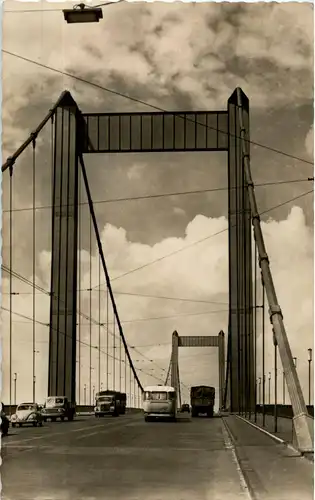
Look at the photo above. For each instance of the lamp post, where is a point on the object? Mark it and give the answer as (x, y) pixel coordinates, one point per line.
(269, 384)
(310, 358)
(283, 388)
(84, 394)
(34, 378)
(93, 395)
(259, 390)
(15, 379)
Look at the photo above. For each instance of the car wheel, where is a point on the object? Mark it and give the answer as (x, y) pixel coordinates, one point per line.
(40, 424)
(13, 425)
(20, 425)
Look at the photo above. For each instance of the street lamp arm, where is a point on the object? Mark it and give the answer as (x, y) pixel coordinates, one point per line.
(105, 4)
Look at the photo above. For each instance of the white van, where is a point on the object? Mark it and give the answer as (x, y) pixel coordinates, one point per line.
(159, 401)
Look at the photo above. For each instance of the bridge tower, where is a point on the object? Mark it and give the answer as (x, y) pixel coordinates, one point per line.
(198, 341)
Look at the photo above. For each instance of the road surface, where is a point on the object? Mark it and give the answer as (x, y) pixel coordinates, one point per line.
(128, 459)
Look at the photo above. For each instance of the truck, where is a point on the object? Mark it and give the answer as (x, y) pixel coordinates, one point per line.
(58, 407)
(110, 402)
(202, 399)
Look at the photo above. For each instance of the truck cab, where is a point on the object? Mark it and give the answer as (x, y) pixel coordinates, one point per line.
(58, 407)
(110, 403)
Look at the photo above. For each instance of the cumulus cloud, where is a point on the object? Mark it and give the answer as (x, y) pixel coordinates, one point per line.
(179, 211)
(137, 47)
(309, 142)
(148, 322)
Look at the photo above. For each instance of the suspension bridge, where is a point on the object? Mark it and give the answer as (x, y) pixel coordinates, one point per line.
(247, 420)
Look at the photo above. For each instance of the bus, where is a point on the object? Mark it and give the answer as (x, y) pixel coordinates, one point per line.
(110, 403)
(159, 401)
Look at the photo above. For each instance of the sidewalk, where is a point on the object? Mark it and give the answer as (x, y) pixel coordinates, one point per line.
(272, 470)
(284, 426)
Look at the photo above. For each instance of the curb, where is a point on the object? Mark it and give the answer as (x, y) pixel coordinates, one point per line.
(272, 436)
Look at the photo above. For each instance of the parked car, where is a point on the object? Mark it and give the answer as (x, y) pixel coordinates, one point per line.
(5, 422)
(27, 414)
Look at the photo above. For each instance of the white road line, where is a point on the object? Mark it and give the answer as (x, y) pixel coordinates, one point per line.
(114, 425)
(230, 446)
(45, 436)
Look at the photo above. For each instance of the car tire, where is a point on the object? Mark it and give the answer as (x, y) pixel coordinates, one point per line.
(20, 425)
(40, 424)
(13, 425)
(34, 424)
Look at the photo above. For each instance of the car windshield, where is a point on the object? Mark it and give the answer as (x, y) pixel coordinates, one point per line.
(55, 401)
(26, 406)
(104, 399)
(157, 396)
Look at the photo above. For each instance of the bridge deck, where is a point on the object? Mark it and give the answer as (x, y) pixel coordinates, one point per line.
(128, 459)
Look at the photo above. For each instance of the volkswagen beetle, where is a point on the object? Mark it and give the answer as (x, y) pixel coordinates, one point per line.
(27, 414)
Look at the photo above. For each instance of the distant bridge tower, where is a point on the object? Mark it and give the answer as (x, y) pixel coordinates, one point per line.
(198, 341)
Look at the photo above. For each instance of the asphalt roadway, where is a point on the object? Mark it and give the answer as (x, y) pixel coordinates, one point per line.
(128, 459)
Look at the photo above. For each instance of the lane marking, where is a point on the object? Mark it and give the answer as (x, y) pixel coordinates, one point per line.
(228, 442)
(115, 425)
(45, 436)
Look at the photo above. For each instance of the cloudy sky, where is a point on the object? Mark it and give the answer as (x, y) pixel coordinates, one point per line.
(176, 57)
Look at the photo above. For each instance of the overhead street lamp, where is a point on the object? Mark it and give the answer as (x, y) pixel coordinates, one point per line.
(82, 13)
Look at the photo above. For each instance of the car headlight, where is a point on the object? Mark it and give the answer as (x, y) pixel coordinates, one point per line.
(112, 407)
(13, 417)
(32, 416)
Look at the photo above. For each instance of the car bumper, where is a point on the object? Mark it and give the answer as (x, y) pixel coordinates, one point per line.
(24, 422)
(104, 412)
(160, 415)
(53, 415)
